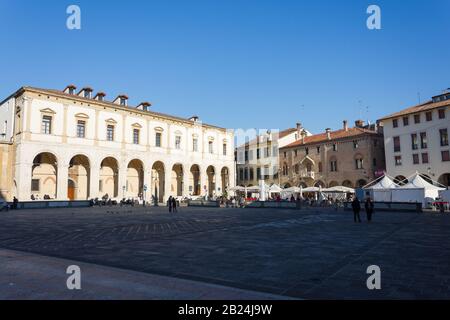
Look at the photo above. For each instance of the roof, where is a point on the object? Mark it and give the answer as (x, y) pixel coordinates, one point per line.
(105, 103)
(335, 135)
(281, 134)
(429, 105)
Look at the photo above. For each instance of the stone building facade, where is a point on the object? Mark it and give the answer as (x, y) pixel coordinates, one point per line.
(74, 145)
(351, 157)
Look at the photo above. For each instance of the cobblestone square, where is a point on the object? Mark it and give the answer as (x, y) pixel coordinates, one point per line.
(307, 254)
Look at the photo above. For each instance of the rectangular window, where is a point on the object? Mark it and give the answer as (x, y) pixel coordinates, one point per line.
(445, 155)
(306, 151)
(405, 121)
(295, 153)
(359, 163)
(178, 142)
(318, 150)
(195, 144)
(334, 147)
(224, 149)
(429, 116)
(210, 147)
(441, 113)
(258, 173)
(252, 174)
(35, 185)
(423, 140)
(424, 157)
(100, 185)
(136, 136)
(246, 156)
(246, 174)
(444, 137)
(110, 132)
(374, 162)
(414, 142)
(81, 129)
(241, 174)
(417, 118)
(320, 167)
(396, 144)
(258, 154)
(355, 144)
(46, 125)
(415, 159)
(158, 139)
(333, 166)
(398, 160)
(395, 123)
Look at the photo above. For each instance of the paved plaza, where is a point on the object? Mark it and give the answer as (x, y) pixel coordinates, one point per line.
(243, 253)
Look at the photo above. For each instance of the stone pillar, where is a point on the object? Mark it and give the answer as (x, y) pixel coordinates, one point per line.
(148, 184)
(94, 181)
(122, 181)
(203, 182)
(186, 176)
(23, 181)
(218, 185)
(61, 184)
(167, 182)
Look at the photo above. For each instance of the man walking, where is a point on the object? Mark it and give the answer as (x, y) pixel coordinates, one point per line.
(174, 204)
(169, 203)
(369, 209)
(356, 206)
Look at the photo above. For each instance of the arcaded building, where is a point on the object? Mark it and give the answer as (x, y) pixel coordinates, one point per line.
(76, 145)
(350, 157)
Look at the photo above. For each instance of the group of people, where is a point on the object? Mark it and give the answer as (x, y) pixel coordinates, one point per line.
(356, 206)
(172, 204)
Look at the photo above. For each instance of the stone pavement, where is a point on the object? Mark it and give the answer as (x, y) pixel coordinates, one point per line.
(30, 276)
(312, 254)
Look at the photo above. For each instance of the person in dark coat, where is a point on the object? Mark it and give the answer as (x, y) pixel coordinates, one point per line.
(169, 203)
(369, 209)
(356, 206)
(174, 204)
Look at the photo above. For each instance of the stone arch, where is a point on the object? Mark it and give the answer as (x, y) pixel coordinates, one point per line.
(158, 181)
(333, 184)
(319, 183)
(361, 183)
(44, 176)
(79, 173)
(109, 177)
(287, 185)
(135, 179)
(302, 184)
(444, 179)
(401, 180)
(347, 183)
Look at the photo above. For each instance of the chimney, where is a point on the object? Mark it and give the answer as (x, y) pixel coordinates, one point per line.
(86, 92)
(359, 123)
(303, 135)
(145, 106)
(299, 129)
(70, 89)
(100, 96)
(345, 125)
(328, 131)
(194, 118)
(121, 100)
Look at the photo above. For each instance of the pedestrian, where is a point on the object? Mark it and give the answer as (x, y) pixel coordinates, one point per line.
(15, 203)
(174, 204)
(169, 203)
(369, 209)
(356, 206)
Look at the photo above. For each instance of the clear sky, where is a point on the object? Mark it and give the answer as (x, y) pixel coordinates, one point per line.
(235, 63)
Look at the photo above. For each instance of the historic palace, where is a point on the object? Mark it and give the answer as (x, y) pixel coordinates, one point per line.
(74, 145)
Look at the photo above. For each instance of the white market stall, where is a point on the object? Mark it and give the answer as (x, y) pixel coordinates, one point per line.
(381, 189)
(417, 190)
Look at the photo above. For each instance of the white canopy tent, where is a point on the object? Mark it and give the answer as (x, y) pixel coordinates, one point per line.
(416, 190)
(339, 189)
(381, 189)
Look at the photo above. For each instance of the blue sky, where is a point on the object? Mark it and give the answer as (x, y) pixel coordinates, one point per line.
(235, 63)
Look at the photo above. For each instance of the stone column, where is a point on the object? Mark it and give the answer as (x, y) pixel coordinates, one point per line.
(23, 181)
(203, 182)
(167, 178)
(148, 184)
(94, 181)
(122, 180)
(61, 184)
(186, 175)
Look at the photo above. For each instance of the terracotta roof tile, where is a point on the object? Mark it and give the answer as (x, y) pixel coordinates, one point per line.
(429, 105)
(335, 135)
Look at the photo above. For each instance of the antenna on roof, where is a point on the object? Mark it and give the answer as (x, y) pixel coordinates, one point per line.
(418, 96)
